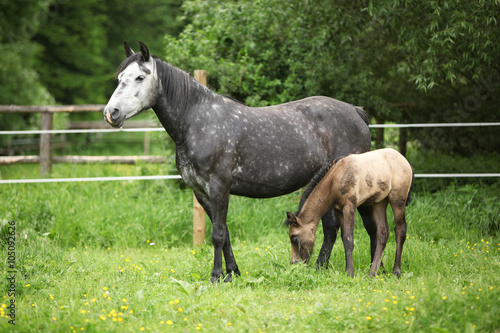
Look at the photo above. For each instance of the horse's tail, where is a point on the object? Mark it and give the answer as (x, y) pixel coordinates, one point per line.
(408, 198)
(362, 113)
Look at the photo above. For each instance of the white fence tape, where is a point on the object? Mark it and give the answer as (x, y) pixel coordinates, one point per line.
(89, 179)
(98, 179)
(95, 179)
(432, 125)
(161, 129)
(75, 131)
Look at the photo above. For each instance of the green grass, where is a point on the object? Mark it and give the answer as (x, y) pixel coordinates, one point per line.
(85, 260)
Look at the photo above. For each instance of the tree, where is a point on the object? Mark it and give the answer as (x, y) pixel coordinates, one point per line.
(83, 43)
(375, 54)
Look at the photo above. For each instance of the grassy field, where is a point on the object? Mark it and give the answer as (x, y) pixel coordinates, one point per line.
(117, 256)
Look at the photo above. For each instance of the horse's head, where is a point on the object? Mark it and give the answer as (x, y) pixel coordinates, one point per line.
(137, 87)
(302, 237)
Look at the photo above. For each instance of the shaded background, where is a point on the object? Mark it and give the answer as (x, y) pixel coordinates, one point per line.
(404, 61)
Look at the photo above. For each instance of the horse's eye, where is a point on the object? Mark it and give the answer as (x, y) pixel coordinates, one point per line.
(295, 240)
(140, 78)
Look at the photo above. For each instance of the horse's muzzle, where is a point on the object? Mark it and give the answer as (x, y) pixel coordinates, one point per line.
(113, 116)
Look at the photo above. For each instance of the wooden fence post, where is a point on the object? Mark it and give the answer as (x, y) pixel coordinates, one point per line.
(46, 144)
(198, 211)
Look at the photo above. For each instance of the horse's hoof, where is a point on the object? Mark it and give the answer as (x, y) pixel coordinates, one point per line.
(216, 279)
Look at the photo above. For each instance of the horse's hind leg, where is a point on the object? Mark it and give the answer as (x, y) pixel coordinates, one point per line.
(400, 231)
(380, 216)
(330, 229)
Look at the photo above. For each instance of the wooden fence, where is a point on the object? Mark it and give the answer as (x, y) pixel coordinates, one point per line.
(46, 159)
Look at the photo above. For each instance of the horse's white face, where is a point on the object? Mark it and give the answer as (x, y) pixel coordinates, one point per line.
(137, 91)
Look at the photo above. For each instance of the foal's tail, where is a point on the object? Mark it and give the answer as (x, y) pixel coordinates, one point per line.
(408, 198)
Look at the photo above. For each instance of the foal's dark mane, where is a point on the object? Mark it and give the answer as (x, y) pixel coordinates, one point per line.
(175, 82)
(315, 181)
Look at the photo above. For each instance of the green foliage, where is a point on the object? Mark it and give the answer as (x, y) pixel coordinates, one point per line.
(441, 57)
(117, 257)
(83, 43)
(443, 40)
(266, 52)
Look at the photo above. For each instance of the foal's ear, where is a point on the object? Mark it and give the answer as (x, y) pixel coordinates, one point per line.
(292, 219)
(128, 50)
(144, 51)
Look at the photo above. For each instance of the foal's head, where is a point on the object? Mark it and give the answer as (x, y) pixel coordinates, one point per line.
(302, 238)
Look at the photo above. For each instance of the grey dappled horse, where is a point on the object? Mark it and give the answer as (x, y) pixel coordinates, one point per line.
(224, 147)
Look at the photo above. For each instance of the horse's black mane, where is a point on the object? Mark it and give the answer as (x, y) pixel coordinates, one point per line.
(175, 82)
(315, 181)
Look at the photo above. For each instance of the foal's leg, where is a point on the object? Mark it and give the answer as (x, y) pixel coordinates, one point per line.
(400, 231)
(330, 229)
(366, 213)
(346, 220)
(380, 215)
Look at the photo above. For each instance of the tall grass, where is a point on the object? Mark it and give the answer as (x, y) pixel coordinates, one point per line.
(117, 256)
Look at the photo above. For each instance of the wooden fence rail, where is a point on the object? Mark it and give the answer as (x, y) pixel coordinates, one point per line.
(46, 159)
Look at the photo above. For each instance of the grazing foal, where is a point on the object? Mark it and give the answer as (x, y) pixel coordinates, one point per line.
(375, 179)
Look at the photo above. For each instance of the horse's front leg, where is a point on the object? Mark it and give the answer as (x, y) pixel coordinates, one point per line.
(219, 202)
(330, 229)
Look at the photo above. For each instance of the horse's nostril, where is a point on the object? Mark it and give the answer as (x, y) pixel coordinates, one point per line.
(115, 114)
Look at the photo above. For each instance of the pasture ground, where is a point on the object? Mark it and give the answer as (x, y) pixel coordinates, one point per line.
(117, 257)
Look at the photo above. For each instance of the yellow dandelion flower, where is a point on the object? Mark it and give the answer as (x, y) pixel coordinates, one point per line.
(444, 297)
(169, 322)
(229, 324)
(27, 285)
(142, 328)
(176, 301)
(180, 309)
(124, 300)
(368, 318)
(82, 311)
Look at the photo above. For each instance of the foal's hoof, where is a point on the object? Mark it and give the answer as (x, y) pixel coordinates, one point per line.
(396, 272)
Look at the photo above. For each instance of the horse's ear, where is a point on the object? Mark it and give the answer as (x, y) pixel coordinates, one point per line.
(144, 51)
(128, 50)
